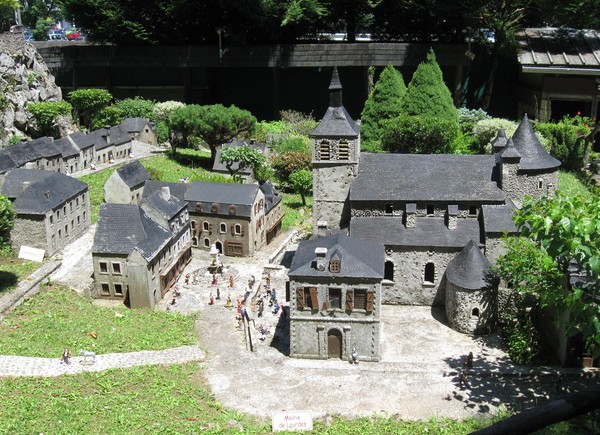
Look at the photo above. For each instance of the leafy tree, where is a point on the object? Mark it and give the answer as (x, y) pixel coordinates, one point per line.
(301, 182)
(286, 163)
(137, 107)
(237, 159)
(566, 139)
(427, 95)
(88, 102)
(161, 111)
(107, 116)
(46, 115)
(217, 124)
(182, 124)
(383, 104)
(419, 135)
(566, 231)
(40, 30)
(7, 219)
(7, 13)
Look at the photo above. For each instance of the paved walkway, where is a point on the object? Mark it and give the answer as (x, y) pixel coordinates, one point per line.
(48, 367)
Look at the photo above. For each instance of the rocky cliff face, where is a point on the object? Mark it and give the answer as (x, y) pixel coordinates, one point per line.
(24, 79)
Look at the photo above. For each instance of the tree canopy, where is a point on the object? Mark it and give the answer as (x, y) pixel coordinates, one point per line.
(237, 159)
(7, 219)
(383, 104)
(564, 233)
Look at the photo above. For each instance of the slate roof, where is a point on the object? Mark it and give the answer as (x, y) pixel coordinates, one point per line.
(359, 258)
(118, 135)
(499, 141)
(133, 174)
(66, 148)
(177, 189)
(510, 151)
(223, 194)
(47, 190)
(337, 121)
(499, 218)
(135, 125)
(428, 232)
(272, 195)
(45, 146)
(533, 154)
(125, 227)
(23, 152)
(570, 50)
(440, 177)
(82, 140)
(99, 138)
(470, 269)
(167, 207)
(6, 162)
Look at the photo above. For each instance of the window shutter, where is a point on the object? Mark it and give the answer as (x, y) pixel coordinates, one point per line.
(314, 298)
(349, 300)
(300, 298)
(370, 300)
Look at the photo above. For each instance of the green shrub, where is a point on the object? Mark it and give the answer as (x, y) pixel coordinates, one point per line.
(137, 107)
(15, 139)
(162, 131)
(565, 139)
(88, 102)
(46, 115)
(298, 122)
(7, 219)
(419, 135)
(427, 95)
(266, 128)
(468, 118)
(161, 111)
(383, 104)
(487, 129)
(300, 144)
(107, 116)
(286, 163)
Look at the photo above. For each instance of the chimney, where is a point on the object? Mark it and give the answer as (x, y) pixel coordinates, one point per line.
(321, 253)
(411, 215)
(165, 193)
(26, 185)
(321, 228)
(452, 216)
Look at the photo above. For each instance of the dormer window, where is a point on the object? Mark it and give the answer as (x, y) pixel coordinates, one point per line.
(198, 206)
(214, 208)
(232, 209)
(335, 266)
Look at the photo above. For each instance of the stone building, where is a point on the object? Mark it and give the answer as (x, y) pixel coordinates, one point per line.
(335, 289)
(425, 209)
(141, 130)
(52, 209)
(139, 250)
(126, 184)
(471, 291)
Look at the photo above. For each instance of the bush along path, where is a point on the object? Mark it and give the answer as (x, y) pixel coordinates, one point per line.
(48, 367)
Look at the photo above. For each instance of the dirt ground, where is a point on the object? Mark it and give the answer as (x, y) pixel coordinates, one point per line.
(417, 377)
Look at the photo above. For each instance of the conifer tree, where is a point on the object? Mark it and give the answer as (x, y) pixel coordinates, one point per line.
(383, 104)
(427, 94)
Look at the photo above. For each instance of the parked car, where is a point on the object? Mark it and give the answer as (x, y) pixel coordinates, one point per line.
(57, 37)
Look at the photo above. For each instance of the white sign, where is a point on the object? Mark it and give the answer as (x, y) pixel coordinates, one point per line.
(33, 254)
(292, 421)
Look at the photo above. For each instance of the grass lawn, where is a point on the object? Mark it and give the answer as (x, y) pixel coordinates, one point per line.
(571, 185)
(13, 270)
(297, 215)
(58, 317)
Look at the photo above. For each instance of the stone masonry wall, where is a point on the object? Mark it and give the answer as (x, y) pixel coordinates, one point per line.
(331, 185)
(408, 286)
(29, 230)
(470, 311)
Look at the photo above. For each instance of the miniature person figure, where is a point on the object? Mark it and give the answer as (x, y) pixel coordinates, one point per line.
(261, 307)
(239, 308)
(66, 356)
(273, 297)
(214, 279)
(218, 294)
(470, 360)
(231, 282)
(462, 378)
(354, 356)
(187, 279)
(228, 303)
(245, 314)
(212, 299)
(173, 301)
(282, 311)
(276, 309)
(268, 281)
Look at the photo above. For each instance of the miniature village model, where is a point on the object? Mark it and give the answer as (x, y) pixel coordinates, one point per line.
(439, 219)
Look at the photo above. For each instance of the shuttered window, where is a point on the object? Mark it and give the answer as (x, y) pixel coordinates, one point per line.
(360, 299)
(349, 300)
(300, 298)
(314, 298)
(370, 301)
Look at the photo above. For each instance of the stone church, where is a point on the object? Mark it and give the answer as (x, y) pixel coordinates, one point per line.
(438, 216)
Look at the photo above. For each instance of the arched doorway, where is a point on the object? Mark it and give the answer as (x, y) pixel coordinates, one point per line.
(334, 344)
(219, 246)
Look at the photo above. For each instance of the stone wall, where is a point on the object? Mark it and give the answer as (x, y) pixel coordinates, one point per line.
(470, 311)
(409, 286)
(24, 79)
(30, 230)
(331, 185)
(518, 184)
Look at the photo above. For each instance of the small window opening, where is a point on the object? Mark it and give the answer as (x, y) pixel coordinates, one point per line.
(475, 312)
(389, 271)
(430, 209)
(389, 209)
(430, 272)
(472, 210)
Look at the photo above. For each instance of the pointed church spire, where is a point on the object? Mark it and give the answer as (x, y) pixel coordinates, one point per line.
(335, 89)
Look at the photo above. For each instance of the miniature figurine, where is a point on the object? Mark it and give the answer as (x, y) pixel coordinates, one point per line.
(66, 356)
(212, 299)
(354, 356)
(218, 294)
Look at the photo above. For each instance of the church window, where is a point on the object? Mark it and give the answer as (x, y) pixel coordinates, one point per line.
(343, 150)
(325, 150)
(429, 273)
(389, 271)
